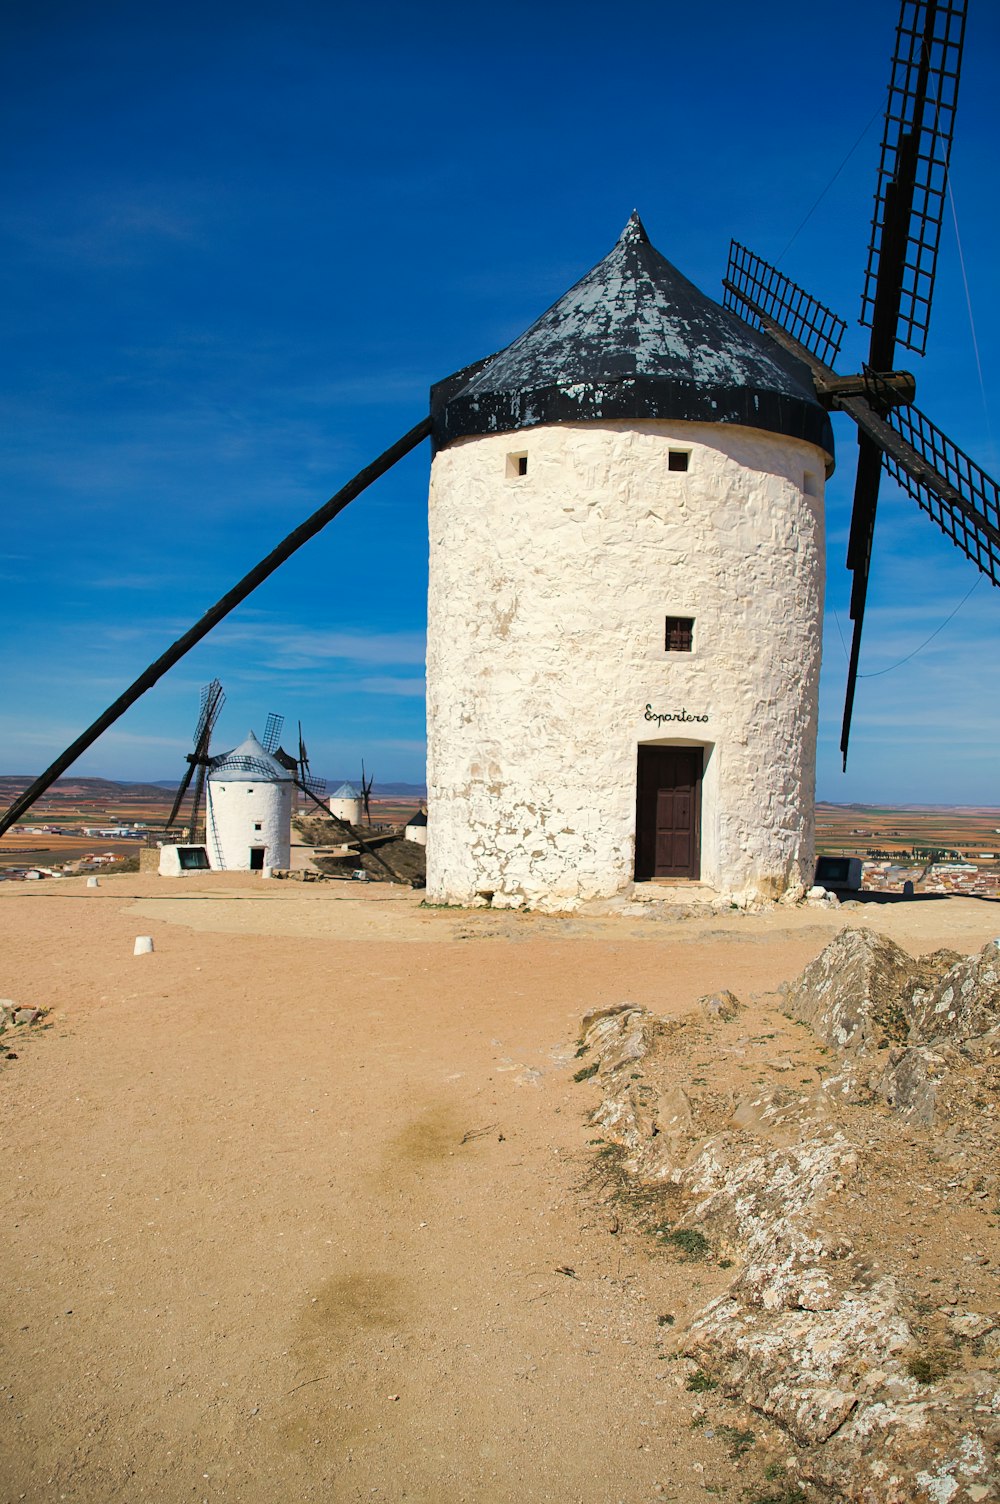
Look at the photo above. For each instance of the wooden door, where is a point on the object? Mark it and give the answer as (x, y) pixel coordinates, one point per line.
(668, 813)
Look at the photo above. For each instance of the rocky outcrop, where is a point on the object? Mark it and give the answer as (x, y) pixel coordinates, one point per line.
(863, 995)
(863, 992)
(721, 1007)
(860, 992)
(964, 1002)
(890, 1394)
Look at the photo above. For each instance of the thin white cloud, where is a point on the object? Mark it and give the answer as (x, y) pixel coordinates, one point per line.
(373, 389)
(107, 229)
(290, 647)
(384, 685)
(152, 581)
(55, 737)
(137, 739)
(400, 744)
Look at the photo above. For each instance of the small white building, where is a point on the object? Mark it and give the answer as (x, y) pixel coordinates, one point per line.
(177, 861)
(415, 828)
(345, 803)
(625, 602)
(248, 814)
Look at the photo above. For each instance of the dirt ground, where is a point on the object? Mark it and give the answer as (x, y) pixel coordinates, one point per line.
(295, 1207)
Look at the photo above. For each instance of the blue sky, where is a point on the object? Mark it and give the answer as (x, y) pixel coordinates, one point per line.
(239, 242)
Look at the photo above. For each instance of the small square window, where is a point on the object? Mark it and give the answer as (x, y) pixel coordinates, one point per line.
(257, 825)
(517, 465)
(677, 459)
(679, 634)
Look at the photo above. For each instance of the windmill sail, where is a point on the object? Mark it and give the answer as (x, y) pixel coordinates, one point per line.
(902, 254)
(182, 789)
(755, 288)
(212, 698)
(305, 779)
(913, 173)
(366, 792)
(272, 731)
(949, 486)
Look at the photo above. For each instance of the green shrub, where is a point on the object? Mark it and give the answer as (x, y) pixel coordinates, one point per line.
(928, 1366)
(692, 1243)
(738, 1442)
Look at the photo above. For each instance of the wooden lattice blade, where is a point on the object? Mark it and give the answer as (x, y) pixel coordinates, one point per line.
(949, 486)
(181, 791)
(912, 176)
(763, 296)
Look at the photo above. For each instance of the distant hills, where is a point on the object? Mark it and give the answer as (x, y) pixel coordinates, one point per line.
(868, 809)
(103, 789)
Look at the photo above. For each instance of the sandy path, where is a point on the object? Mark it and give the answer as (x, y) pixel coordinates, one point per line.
(286, 1200)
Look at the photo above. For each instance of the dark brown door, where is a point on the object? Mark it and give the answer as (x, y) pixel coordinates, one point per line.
(668, 813)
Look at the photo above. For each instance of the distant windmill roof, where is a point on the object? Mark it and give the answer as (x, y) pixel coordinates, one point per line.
(248, 763)
(346, 791)
(634, 339)
(420, 818)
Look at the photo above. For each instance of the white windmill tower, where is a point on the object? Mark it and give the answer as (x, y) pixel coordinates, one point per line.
(249, 808)
(345, 803)
(626, 590)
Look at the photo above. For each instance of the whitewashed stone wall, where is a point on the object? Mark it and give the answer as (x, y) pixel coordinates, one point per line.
(233, 808)
(548, 597)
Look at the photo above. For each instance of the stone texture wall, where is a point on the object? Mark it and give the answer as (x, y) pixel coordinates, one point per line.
(233, 808)
(547, 604)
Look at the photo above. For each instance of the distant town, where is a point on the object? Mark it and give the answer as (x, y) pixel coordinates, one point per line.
(88, 825)
(939, 849)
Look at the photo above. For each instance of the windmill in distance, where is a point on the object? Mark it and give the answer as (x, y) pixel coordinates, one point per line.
(307, 782)
(199, 760)
(297, 766)
(366, 792)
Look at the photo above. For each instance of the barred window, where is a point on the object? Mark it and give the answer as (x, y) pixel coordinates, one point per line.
(679, 634)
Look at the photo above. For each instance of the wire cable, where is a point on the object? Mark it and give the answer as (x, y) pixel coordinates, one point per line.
(972, 322)
(826, 190)
(879, 672)
(843, 644)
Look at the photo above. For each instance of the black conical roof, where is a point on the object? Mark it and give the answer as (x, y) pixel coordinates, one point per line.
(634, 339)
